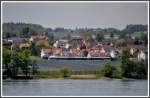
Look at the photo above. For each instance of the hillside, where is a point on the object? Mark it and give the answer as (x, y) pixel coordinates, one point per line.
(28, 29)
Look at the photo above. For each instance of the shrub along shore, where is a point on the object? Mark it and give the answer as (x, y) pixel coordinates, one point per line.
(22, 60)
(108, 72)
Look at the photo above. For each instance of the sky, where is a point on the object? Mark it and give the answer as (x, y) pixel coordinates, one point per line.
(76, 15)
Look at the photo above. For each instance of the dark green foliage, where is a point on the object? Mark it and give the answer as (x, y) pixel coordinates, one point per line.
(33, 48)
(59, 29)
(6, 62)
(137, 70)
(15, 62)
(112, 31)
(109, 71)
(39, 44)
(99, 37)
(131, 69)
(112, 35)
(22, 29)
(34, 67)
(135, 28)
(65, 72)
(124, 59)
(6, 57)
(121, 43)
(25, 32)
(12, 61)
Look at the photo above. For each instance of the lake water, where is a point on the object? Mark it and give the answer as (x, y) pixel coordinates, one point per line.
(115, 87)
(75, 65)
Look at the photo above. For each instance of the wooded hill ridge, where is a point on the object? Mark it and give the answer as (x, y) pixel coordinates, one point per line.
(17, 29)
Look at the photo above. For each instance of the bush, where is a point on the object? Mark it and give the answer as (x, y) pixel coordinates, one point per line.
(109, 71)
(139, 70)
(65, 72)
(116, 74)
(121, 43)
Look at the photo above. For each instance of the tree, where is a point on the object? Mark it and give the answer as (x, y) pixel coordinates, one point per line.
(121, 43)
(132, 69)
(124, 59)
(145, 38)
(99, 37)
(33, 48)
(109, 71)
(15, 62)
(65, 72)
(6, 31)
(139, 70)
(34, 66)
(6, 62)
(39, 44)
(24, 57)
(25, 32)
(6, 57)
(135, 28)
(112, 35)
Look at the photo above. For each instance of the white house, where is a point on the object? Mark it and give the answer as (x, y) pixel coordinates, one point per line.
(31, 39)
(141, 55)
(113, 54)
(67, 46)
(89, 55)
(56, 44)
(61, 44)
(45, 53)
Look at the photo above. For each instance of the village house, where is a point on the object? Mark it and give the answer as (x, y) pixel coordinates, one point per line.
(133, 51)
(17, 40)
(141, 55)
(15, 43)
(7, 43)
(24, 46)
(62, 43)
(110, 42)
(38, 37)
(75, 40)
(56, 52)
(45, 53)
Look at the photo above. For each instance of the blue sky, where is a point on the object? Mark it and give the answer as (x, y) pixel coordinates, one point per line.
(72, 15)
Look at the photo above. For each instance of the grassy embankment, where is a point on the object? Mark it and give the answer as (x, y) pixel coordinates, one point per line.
(107, 72)
(71, 75)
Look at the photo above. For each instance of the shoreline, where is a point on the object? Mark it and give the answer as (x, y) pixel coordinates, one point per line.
(78, 77)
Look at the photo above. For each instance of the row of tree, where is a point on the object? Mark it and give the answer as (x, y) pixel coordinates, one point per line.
(26, 30)
(128, 68)
(17, 62)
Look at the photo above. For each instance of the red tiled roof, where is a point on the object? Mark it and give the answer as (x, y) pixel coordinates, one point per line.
(39, 37)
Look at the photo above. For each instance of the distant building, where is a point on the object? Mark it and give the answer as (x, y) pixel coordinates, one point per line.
(133, 51)
(62, 44)
(113, 54)
(24, 46)
(108, 36)
(7, 42)
(45, 53)
(141, 56)
(17, 40)
(38, 37)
